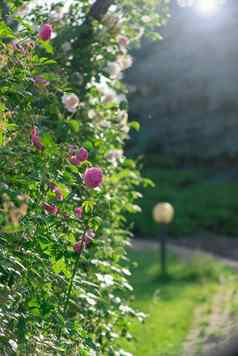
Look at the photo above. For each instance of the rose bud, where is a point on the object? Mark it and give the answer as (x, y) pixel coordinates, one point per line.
(50, 209)
(46, 31)
(78, 212)
(74, 159)
(35, 139)
(88, 237)
(83, 154)
(78, 246)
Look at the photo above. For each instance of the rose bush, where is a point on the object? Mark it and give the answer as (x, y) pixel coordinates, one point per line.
(65, 183)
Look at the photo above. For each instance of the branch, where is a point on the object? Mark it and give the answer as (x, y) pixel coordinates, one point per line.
(97, 12)
(99, 9)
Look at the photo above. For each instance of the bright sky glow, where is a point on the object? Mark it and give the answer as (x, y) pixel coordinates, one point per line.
(207, 7)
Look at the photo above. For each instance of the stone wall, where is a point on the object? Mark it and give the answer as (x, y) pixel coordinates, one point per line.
(184, 90)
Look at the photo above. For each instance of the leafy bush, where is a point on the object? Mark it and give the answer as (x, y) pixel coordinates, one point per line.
(65, 183)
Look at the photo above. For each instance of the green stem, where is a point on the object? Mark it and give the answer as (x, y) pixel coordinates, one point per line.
(68, 292)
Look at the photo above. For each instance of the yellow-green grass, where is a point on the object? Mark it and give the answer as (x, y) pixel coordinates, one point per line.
(170, 303)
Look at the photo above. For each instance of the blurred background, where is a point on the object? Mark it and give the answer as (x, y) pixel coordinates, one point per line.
(184, 91)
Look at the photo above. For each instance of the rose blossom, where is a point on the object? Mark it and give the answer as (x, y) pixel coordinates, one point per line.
(89, 236)
(71, 102)
(114, 70)
(74, 159)
(146, 19)
(50, 209)
(39, 80)
(18, 47)
(78, 212)
(85, 241)
(83, 154)
(56, 190)
(125, 61)
(35, 139)
(78, 246)
(93, 177)
(77, 157)
(123, 41)
(114, 155)
(46, 31)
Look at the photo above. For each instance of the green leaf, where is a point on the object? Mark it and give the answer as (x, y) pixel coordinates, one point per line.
(134, 125)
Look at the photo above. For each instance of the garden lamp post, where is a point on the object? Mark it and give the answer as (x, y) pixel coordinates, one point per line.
(163, 214)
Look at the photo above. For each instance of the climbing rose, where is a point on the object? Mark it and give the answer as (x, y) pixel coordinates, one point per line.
(78, 212)
(35, 139)
(78, 246)
(93, 177)
(74, 159)
(123, 41)
(83, 154)
(85, 241)
(51, 209)
(18, 47)
(114, 70)
(71, 102)
(46, 31)
(77, 157)
(125, 61)
(89, 236)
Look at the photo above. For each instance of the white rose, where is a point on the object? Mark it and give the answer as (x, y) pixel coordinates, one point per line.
(71, 102)
(123, 40)
(125, 61)
(146, 19)
(114, 70)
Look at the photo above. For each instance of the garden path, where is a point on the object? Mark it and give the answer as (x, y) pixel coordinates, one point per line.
(214, 322)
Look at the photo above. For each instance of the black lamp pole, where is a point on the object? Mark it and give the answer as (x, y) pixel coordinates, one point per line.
(163, 249)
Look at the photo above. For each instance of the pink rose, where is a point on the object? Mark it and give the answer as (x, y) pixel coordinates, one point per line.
(78, 246)
(74, 159)
(78, 212)
(83, 154)
(77, 157)
(50, 209)
(18, 47)
(85, 241)
(123, 41)
(56, 190)
(65, 216)
(93, 177)
(46, 31)
(71, 102)
(35, 139)
(89, 236)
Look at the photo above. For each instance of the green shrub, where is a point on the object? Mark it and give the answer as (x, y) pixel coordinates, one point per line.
(63, 280)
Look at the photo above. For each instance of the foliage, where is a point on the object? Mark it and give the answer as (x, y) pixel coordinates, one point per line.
(201, 202)
(63, 279)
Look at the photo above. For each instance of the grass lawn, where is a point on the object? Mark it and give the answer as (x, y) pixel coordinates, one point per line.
(170, 304)
(201, 203)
